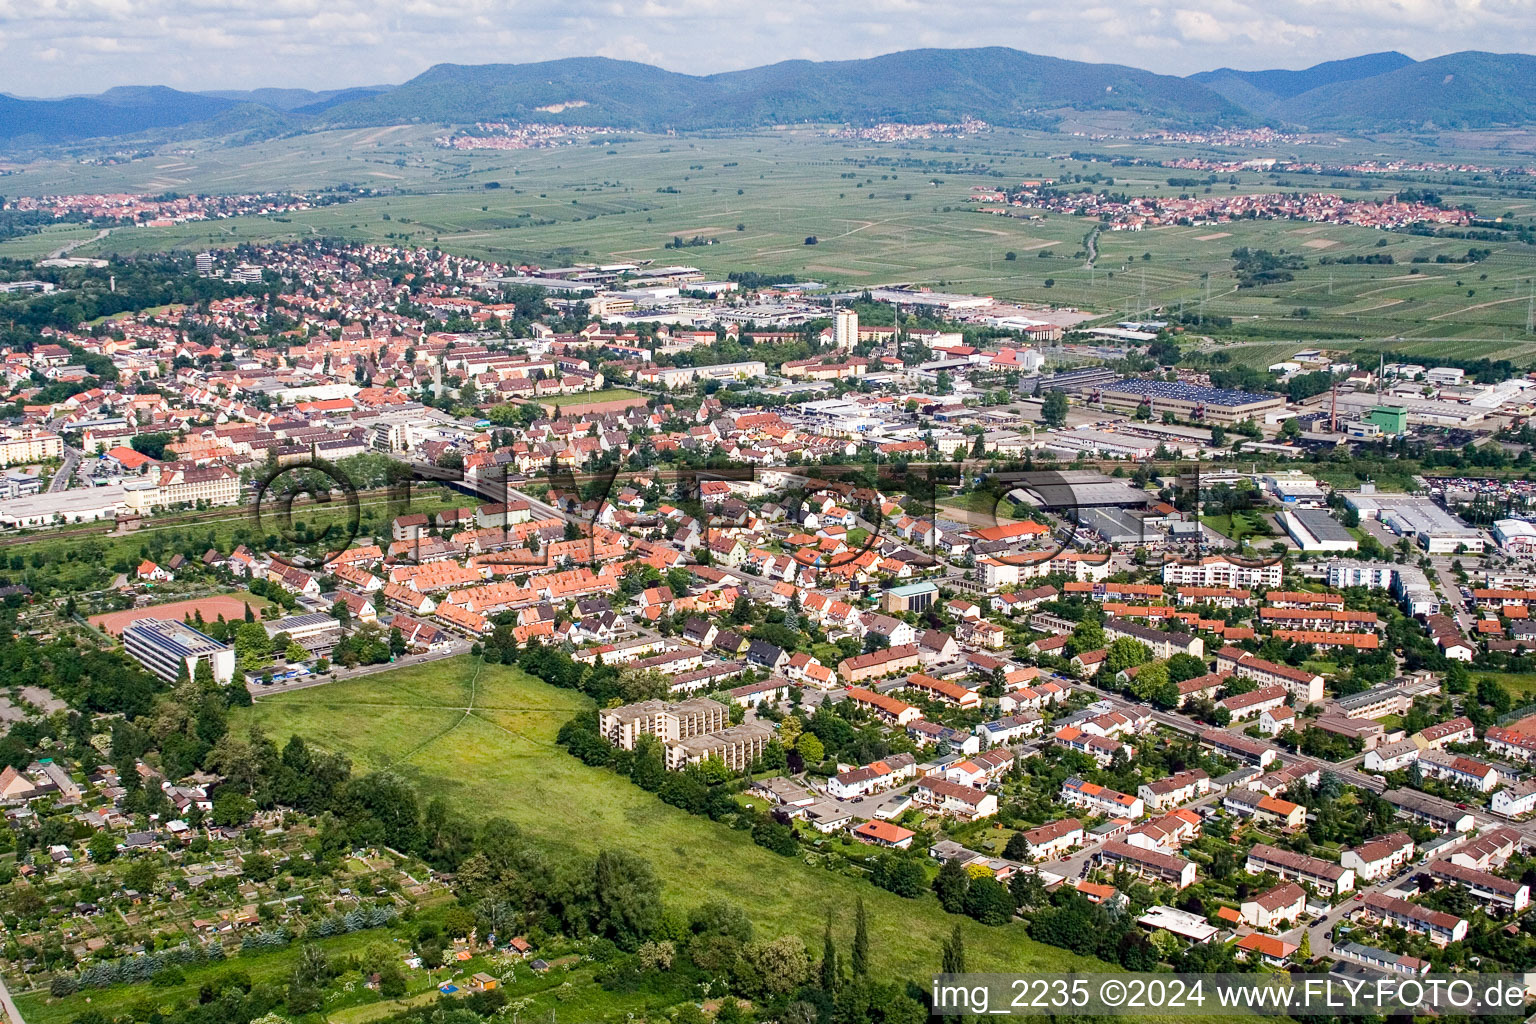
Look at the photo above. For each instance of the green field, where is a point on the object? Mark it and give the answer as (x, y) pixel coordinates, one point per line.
(880, 213)
(590, 397)
(483, 737)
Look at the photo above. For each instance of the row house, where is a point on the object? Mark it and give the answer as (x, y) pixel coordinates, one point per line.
(1284, 904)
(1484, 886)
(1235, 745)
(887, 709)
(953, 799)
(1324, 876)
(1048, 842)
(1175, 790)
(1076, 792)
(1265, 809)
(1379, 857)
(1243, 706)
(1458, 770)
(1011, 728)
(1162, 867)
(1510, 743)
(1204, 687)
(1101, 748)
(873, 777)
(1440, 928)
(1167, 833)
(879, 663)
(1306, 687)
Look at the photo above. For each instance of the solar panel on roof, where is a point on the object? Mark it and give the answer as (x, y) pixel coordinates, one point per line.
(1180, 392)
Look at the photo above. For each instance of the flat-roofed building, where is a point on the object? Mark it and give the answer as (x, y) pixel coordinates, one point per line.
(167, 648)
(1194, 402)
(737, 746)
(668, 722)
(1316, 530)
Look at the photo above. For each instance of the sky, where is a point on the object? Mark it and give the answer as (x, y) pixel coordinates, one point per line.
(70, 47)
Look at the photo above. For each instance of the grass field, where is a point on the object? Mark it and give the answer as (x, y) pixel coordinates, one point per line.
(591, 397)
(483, 737)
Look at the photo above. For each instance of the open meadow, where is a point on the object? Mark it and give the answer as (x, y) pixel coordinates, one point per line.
(483, 737)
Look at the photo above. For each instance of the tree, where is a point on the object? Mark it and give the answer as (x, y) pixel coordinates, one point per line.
(1185, 666)
(953, 960)
(950, 884)
(811, 748)
(1053, 408)
(860, 960)
(391, 981)
(103, 847)
(989, 901)
(1290, 429)
(1017, 847)
(828, 959)
(626, 898)
(1088, 635)
(1123, 653)
(775, 968)
(1304, 947)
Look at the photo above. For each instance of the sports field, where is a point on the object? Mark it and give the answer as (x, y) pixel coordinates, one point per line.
(230, 606)
(484, 738)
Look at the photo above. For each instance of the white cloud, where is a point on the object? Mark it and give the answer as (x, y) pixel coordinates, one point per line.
(216, 44)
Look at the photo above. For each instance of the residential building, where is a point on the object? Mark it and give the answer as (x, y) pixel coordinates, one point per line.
(1050, 841)
(951, 798)
(1163, 867)
(1284, 903)
(1380, 857)
(1440, 928)
(1324, 876)
(668, 722)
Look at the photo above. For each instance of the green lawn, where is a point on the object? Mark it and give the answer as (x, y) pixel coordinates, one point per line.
(483, 737)
(1520, 686)
(590, 397)
(1239, 526)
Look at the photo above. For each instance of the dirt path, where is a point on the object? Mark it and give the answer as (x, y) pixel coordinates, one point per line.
(65, 250)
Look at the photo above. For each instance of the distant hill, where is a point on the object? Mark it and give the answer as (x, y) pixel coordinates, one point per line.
(1379, 91)
(995, 84)
(1471, 89)
(295, 99)
(1258, 90)
(122, 111)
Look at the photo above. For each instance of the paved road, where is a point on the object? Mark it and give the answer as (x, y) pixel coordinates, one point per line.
(63, 251)
(12, 1014)
(66, 474)
(456, 648)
